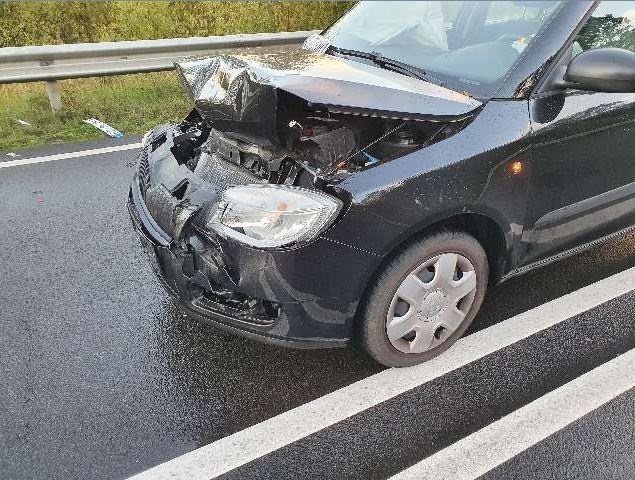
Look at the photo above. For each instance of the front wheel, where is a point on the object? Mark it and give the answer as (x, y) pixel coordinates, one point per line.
(424, 299)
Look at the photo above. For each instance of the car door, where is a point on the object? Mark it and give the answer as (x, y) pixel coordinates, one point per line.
(583, 163)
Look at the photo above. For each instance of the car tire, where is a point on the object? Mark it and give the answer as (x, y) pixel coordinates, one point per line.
(417, 292)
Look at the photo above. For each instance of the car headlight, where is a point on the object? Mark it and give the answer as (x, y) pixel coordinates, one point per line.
(269, 216)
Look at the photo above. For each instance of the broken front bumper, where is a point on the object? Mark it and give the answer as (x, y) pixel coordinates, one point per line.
(305, 297)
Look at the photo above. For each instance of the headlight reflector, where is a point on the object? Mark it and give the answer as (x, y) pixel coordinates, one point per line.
(269, 216)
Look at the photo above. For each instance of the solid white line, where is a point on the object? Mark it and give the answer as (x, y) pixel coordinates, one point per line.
(477, 454)
(249, 444)
(64, 156)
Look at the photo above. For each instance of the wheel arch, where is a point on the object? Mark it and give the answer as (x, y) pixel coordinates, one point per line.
(487, 231)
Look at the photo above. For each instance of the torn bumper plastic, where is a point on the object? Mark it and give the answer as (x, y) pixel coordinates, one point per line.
(276, 296)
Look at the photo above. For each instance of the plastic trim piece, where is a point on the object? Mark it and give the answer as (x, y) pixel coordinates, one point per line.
(567, 253)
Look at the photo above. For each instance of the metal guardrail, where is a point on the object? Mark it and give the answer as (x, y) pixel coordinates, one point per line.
(50, 63)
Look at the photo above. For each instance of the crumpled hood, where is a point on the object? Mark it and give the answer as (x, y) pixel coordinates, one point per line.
(244, 88)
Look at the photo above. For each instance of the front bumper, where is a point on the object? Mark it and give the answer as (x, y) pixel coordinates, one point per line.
(304, 298)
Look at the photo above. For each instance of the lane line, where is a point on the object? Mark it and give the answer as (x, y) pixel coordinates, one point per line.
(482, 451)
(67, 155)
(242, 447)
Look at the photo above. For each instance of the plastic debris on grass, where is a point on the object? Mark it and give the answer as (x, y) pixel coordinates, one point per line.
(104, 127)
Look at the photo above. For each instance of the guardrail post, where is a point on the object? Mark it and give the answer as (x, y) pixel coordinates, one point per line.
(55, 99)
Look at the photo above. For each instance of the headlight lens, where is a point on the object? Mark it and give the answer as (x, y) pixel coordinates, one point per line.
(270, 216)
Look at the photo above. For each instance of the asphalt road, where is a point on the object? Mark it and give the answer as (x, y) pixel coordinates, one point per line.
(103, 377)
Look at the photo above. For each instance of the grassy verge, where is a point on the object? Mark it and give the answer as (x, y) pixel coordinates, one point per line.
(131, 104)
(44, 23)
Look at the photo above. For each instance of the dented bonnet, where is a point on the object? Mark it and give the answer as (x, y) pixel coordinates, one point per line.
(244, 88)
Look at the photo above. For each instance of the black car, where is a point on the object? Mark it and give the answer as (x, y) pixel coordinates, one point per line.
(370, 186)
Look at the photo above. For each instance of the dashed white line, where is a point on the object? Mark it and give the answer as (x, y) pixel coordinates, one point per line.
(477, 454)
(67, 155)
(249, 444)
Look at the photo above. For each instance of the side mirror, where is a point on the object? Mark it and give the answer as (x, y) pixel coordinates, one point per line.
(601, 70)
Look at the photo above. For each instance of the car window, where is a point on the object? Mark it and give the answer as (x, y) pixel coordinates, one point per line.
(612, 24)
(466, 44)
(507, 11)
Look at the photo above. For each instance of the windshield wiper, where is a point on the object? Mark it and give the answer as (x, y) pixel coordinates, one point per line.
(387, 63)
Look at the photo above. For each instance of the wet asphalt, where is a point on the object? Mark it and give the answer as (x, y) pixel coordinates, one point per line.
(390, 437)
(103, 376)
(567, 453)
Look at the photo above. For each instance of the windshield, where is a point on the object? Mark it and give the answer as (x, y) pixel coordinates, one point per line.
(467, 45)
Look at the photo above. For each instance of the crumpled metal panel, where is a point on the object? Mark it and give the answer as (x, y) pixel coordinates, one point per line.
(229, 88)
(244, 88)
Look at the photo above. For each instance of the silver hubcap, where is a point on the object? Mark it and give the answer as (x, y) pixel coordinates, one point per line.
(431, 303)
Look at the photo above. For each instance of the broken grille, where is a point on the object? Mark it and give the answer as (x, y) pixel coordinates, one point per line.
(222, 174)
(144, 172)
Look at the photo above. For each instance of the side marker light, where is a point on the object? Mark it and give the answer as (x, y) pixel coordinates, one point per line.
(516, 168)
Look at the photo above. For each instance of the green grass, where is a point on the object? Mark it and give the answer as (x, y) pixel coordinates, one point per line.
(43, 23)
(131, 104)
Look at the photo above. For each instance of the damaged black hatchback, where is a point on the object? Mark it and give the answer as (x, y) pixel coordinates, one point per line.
(370, 186)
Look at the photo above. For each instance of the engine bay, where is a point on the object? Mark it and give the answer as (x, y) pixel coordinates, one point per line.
(310, 144)
(306, 118)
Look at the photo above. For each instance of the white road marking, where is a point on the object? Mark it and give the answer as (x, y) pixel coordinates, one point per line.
(477, 454)
(253, 442)
(67, 155)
